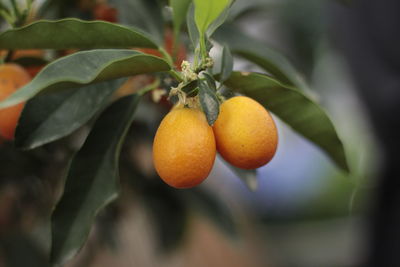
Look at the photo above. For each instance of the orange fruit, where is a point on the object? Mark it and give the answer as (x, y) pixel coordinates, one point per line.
(245, 133)
(30, 53)
(184, 148)
(12, 77)
(33, 69)
(23, 53)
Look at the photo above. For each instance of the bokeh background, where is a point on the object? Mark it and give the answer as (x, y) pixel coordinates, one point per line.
(305, 211)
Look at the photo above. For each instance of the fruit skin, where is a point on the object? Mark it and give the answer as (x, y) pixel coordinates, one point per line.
(245, 133)
(184, 148)
(12, 77)
(23, 53)
(30, 53)
(34, 53)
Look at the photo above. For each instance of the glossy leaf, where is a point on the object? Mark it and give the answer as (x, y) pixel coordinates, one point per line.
(209, 102)
(226, 63)
(179, 11)
(248, 177)
(73, 33)
(51, 116)
(218, 22)
(191, 88)
(294, 108)
(192, 28)
(92, 180)
(143, 14)
(87, 67)
(259, 53)
(207, 11)
(210, 81)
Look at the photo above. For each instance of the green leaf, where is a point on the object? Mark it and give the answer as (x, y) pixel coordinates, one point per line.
(210, 81)
(207, 11)
(92, 180)
(73, 33)
(3, 6)
(209, 102)
(48, 117)
(293, 107)
(87, 67)
(192, 28)
(143, 14)
(248, 177)
(260, 54)
(226, 63)
(191, 88)
(179, 11)
(218, 22)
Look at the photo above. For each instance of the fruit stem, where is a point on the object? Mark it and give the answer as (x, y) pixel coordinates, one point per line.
(166, 56)
(178, 91)
(176, 75)
(203, 49)
(196, 58)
